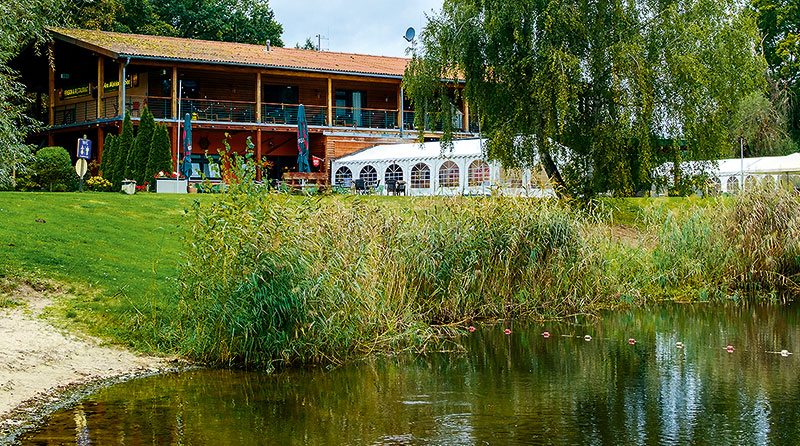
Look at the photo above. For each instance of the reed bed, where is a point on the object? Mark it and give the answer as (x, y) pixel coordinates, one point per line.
(272, 280)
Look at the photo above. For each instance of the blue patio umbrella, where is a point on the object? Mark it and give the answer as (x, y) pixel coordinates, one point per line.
(186, 164)
(302, 140)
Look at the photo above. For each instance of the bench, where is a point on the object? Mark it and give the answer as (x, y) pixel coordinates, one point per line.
(301, 180)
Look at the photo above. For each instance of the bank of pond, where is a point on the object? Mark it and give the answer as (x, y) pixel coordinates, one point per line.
(503, 383)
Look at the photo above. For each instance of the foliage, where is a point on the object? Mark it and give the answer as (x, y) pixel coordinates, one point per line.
(763, 123)
(125, 144)
(601, 92)
(100, 184)
(308, 45)
(160, 155)
(779, 22)
(108, 161)
(246, 21)
(53, 166)
(137, 161)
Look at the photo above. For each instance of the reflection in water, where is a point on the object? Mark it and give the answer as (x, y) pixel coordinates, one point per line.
(520, 388)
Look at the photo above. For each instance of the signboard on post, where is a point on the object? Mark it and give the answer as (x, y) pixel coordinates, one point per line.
(84, 148)
(81, 167)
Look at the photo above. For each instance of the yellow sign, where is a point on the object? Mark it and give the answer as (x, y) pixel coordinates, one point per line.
(131, 81)
(75, 92)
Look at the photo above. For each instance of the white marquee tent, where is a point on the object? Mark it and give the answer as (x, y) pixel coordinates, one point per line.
(428, 169)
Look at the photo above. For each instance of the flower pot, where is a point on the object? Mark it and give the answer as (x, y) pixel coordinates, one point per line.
(192, 190)
(171, 186)
(129, 187)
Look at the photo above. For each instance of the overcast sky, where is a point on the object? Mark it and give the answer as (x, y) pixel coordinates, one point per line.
(356, 26)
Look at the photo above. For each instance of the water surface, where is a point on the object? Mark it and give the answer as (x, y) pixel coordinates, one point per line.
(519, 388)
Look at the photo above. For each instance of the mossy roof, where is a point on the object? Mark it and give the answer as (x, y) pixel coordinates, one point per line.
(137, 46)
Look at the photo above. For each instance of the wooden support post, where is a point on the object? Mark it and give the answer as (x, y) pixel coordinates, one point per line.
(100, 75)
(400, 106)
(175, 93)
(466, 113)
(52, 87)
(51, 141)
(258, 100)
(174, 144)
(120, 89)
(100, 140)
(330, 103)
(258, 148)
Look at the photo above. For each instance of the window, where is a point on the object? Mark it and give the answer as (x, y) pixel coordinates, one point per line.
(768, 182)
(393, 172)
(478, 173)
(448, 174)
(713, 186)
(369, 175)
(343, 176)
(420, 176)
(205, 167)
(733, 184)
(511, 178)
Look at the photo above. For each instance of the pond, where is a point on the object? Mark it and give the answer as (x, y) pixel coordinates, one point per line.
(517, 388)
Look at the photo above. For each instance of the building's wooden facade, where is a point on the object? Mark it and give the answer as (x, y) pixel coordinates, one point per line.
(351, 101)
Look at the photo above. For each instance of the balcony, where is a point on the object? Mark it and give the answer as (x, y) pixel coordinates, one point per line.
(287, 114)
(372, 118)
(219, 111)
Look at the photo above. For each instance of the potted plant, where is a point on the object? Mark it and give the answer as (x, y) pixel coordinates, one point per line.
(170, 183)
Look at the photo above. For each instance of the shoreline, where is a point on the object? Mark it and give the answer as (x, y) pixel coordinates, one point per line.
(44, 368)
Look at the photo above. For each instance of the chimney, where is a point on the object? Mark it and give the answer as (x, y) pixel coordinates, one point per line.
(268, 44)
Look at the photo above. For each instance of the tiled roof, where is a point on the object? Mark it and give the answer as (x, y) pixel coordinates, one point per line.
(203, 51)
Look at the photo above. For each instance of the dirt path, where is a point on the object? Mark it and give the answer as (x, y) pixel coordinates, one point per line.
(37, 360)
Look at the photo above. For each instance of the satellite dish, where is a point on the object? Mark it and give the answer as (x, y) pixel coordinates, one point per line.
(410, 33)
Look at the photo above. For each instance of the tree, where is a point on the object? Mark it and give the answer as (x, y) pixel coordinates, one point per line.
(53, 166)
(246, 21)
(309, 45)
(124, 149)
(779, 23)
(762, 124)
(598, 92)
(137, 160)
(108, 161)
(160, 156)
(22, 23)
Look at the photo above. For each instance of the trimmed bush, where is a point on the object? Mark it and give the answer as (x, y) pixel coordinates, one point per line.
(53, 166)
(124, 149)
(108, 161)
(160, 157)
(141, 147)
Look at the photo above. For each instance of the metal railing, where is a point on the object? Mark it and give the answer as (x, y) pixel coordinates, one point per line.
(214, 110)
(160, 107)
(287, 114)
(76, 113)
(364, 117)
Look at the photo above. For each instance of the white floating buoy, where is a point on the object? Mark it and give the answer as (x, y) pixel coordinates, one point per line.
(546, 334)
(679, 344)
(587, 338)
(631, 341)
(729, 349)
(785, 353)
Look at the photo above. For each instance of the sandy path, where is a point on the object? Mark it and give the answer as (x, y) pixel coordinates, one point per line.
(36, 358)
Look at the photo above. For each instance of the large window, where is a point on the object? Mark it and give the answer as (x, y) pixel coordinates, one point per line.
(448, 174)
(343, 176)
(369, 175)
(420, 176)
(205, 167)
(393, 172)
(733, 184)
(478, 173)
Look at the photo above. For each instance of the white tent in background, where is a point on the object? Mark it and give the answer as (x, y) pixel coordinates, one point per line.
(427, 169)
(726, 175)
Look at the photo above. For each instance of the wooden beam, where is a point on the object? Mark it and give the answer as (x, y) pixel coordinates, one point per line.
(174, 144)
(52, 87)
(120, 99)
(400, 106)
(330, 103)
(100, 81)
(466, 112)
(99, 148)
(258, 100)
(258, 147)
(175, 92)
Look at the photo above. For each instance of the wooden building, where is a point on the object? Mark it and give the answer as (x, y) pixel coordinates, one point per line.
(352, 101)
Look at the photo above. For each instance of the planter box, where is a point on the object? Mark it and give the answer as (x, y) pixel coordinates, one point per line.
(171, 186)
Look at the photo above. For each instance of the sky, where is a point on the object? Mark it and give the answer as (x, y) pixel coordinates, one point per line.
(357, 26)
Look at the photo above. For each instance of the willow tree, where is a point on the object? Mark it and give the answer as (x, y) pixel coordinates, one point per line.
(597, 91)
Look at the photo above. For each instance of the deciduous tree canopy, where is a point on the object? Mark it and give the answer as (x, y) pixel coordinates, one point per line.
(598, 91)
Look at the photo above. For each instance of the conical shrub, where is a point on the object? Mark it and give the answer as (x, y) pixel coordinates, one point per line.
(108, 160)
(124, 148)
(141, 147)
(160, 158)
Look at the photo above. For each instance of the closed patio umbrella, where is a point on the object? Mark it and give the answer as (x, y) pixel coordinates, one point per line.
(186, 164)
(302, 140)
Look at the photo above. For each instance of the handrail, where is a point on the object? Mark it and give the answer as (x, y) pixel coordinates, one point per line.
(219, 100)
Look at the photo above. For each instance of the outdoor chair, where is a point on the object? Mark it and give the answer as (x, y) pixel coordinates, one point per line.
(400, 188)
(391, 186)
(361, 187)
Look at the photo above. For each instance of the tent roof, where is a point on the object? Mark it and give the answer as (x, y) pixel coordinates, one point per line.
(766, 164)
(389, 152)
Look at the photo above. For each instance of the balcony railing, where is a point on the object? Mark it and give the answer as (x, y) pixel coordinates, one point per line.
(213, 110)
(287, 114)
(75, 113)
(160, 107)
(364, 117)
